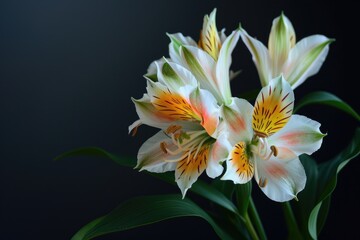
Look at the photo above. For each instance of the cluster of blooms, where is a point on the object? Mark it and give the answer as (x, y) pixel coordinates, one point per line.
(204, 128)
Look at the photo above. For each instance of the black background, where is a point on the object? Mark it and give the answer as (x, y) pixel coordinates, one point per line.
(68, 70)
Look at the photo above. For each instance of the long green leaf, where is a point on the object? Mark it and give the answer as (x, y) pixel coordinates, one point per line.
(326, 98)
(97, 152)
(243, 193)
(203, 189)
(329, 171)
(200, 187)
(313, 205)
(143, 211)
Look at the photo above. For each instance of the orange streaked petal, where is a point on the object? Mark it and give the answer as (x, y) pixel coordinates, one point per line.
(192, 165)
(174, 106)
(273, 107)
(209, 36)
(239, 168)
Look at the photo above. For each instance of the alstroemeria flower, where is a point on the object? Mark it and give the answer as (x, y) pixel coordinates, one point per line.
(295, 61)
(265, 141)
(209, 60)
(188, 117)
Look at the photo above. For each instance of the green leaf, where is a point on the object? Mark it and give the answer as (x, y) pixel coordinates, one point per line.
(329, 99)
(204, 190)
(243, 193)
(313, 205)
(200, 187)
(143, 211)
(226, 187)
(212, 194)
(97, 152)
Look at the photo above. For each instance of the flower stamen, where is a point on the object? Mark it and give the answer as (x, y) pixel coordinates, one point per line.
(173, 129)
(263, 182)
(163, 147)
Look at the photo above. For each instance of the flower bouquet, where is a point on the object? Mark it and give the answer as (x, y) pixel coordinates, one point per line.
(203, 130)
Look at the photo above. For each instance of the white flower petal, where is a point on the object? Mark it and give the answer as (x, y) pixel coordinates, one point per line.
(280, 180)
(260, 57)
(239, 167)
(152, 158)
(223, 66)
(209, 37)
(152, 69)
(148, 114)
(177, 40)
(281, 40)
(300, 135)
(305, 59)
(222, 35)
(237, 120)
(134, 125)
(191, 167)
(205, 104)
(217, 156)
(151, 116)
(175, 76)
(202, 65)
(273, 107)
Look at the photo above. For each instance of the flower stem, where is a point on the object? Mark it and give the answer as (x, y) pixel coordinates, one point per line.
(257, 222)
(250, 227)
(291, 221)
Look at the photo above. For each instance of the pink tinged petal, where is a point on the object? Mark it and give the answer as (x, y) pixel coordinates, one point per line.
(260, 57)
(239, 167)
(300, 135)
(206, 106)
(223, 66)
(152, 158)
(217, 156)
(306, 59)
(273, 107)
(202, 65)
(237, 120)
(284, 154)
(280, 180)
(281, 40)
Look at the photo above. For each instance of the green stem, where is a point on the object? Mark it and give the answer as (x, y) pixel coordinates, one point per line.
(291, 221)
(256, 218)
(250, 227)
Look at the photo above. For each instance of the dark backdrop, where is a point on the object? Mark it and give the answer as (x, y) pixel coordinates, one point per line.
(68, 70)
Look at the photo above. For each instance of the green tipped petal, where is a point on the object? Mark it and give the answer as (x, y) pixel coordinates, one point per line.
(306, 59)
(281, 40)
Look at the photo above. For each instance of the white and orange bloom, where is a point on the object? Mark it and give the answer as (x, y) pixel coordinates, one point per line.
(187, 117)
(295, 61)
(208, 60)
(265, 141)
